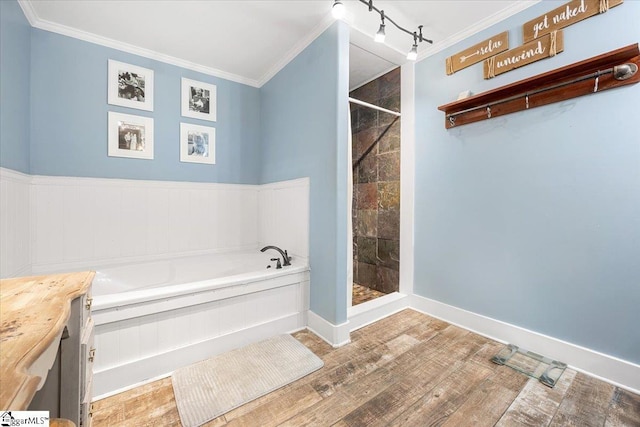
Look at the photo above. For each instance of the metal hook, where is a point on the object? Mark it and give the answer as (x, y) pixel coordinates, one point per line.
(526, 98)
(595, 88)
(488, 112)
(452, 121)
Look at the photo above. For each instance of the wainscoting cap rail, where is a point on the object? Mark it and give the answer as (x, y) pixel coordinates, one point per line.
(609, 70)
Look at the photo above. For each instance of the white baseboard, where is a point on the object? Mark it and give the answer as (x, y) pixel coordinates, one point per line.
(336, 335)
(611, 369)
(130, 387)
(369, 312)
(117, 379)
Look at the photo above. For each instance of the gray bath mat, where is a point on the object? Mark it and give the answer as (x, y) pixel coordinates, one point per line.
(208, 389)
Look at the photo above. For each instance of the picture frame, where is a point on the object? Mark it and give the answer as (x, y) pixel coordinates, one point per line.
(199, 100)
(197, 144)
(130, 86)
(130, 136)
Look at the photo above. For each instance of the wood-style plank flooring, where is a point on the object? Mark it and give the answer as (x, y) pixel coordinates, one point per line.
(408, 369)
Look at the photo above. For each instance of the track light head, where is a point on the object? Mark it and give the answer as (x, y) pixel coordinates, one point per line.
(338, 10)
(380, 35)
(413, 53)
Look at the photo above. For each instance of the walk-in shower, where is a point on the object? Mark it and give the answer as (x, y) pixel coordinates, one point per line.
(375, 125)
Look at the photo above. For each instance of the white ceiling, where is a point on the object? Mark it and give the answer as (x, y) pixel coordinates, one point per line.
(249, 41)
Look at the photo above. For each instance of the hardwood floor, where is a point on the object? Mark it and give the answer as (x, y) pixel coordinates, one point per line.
(406, 370)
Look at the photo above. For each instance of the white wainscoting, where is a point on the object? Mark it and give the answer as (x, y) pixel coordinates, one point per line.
(135, 349)
(87, 222)
(51, 224)
(284, 216)
(15, 258)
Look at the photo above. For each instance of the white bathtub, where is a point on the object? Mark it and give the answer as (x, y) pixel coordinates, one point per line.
(154, 317)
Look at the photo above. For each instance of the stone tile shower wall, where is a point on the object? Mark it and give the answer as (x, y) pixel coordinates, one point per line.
(376, 181)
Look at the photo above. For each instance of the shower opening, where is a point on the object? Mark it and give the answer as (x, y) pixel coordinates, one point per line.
(376, 187)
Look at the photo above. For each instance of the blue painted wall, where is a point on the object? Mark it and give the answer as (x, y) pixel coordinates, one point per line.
(534, 218)
(15, 46)
(304, 133)
(69, 117)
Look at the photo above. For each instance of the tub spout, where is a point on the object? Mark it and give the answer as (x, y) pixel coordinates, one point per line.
(285, 256)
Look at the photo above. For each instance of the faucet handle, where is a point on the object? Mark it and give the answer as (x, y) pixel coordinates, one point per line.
(287, 258)
(278, 265)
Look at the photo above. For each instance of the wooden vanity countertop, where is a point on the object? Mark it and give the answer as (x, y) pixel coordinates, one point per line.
(33, 312)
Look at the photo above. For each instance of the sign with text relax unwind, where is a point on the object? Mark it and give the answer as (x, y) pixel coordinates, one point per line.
(478, 52)
(544, 47)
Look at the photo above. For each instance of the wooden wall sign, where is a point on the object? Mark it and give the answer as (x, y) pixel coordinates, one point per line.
(565, 15)
(544, 47)
(478, 52)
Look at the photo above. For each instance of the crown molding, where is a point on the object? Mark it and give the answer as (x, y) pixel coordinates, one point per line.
(37, 22)
(515, 8)
(64, 30)
(29, 11)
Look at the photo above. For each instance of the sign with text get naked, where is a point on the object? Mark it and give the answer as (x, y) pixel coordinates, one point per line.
(565, 15)
(478, 52)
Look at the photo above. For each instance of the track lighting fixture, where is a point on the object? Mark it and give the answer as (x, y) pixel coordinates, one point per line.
(413, 53)
(380, 35)
(338, 10)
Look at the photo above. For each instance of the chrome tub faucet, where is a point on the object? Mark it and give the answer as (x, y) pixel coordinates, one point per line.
(285, 257)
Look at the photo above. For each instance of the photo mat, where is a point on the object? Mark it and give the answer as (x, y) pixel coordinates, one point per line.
(130, 136)
(198, 100)
(130, 86)
(197, 144)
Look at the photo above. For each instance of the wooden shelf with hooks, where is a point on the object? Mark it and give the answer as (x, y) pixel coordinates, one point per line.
(592, 75)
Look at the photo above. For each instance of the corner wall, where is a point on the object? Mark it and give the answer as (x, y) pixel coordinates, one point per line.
(15, 54)
(15, 110)
(304, 132)
(533, 218)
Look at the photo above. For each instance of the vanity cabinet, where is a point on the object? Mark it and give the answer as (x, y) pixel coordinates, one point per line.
(47, 333)
(76, 363)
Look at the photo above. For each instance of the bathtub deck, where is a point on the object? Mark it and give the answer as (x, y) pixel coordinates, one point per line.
(407, 369)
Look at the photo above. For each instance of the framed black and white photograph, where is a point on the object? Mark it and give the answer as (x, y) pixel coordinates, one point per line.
(198, 100)
(130, 86)
(197, 144)
(130, 136)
